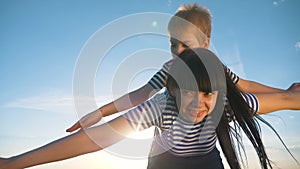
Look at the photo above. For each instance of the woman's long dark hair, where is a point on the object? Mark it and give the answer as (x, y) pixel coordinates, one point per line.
(236, 105)
(243, 116)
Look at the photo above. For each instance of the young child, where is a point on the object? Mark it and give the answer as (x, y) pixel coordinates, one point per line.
(188, 116)
(190, 27)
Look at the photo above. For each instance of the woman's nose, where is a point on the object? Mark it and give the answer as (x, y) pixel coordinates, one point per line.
(198, 100)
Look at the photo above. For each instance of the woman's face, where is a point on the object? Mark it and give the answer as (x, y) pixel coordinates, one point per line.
(195, 106)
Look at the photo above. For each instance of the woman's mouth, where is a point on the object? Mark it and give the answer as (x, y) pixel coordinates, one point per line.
(198, 113)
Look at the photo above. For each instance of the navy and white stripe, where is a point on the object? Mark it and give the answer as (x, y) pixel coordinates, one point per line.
(187, 139)
(232, 75)
(159, 79)
(173, 133)
(252, 101)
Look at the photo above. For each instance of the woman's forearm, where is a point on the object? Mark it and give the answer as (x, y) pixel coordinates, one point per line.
(64, 148)
(270, 102)
(82, 142)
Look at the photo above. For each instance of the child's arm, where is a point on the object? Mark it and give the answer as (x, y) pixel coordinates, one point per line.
(123, 103)
(127, 101)
(255, 87)
(80, 143)
(248, 86)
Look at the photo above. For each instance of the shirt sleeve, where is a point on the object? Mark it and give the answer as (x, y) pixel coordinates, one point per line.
(252, 101)
(145, 115)
(158, 81)
(232, 75)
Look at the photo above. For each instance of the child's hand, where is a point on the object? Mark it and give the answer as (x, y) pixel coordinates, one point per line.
(86, 121)
(294, 87)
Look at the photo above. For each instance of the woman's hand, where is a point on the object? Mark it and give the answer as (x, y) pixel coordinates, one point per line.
(294, 87)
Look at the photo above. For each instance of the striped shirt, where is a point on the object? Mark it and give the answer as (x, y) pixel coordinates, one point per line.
(172, 132)
(159, 79)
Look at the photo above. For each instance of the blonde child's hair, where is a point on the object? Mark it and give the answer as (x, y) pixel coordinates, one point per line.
(196, 14)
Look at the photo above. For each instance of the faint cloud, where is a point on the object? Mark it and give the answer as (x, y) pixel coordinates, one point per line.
(169, 2)
(275, 3)
(60, 103)
(291, 117)
(52, 103)
(297, 46)
(278, 2)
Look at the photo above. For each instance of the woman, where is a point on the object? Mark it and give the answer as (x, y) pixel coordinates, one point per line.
(188, 122)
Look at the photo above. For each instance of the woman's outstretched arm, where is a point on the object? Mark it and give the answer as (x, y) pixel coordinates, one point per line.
(287, 100)
(83, 142)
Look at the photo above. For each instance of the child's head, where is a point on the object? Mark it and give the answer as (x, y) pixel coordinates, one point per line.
(190, 27)
(198, 15)
(196, 78)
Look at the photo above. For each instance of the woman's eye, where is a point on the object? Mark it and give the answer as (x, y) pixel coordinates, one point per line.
(208, 93)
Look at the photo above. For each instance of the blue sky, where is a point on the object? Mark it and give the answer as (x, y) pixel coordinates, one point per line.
(41, 42)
